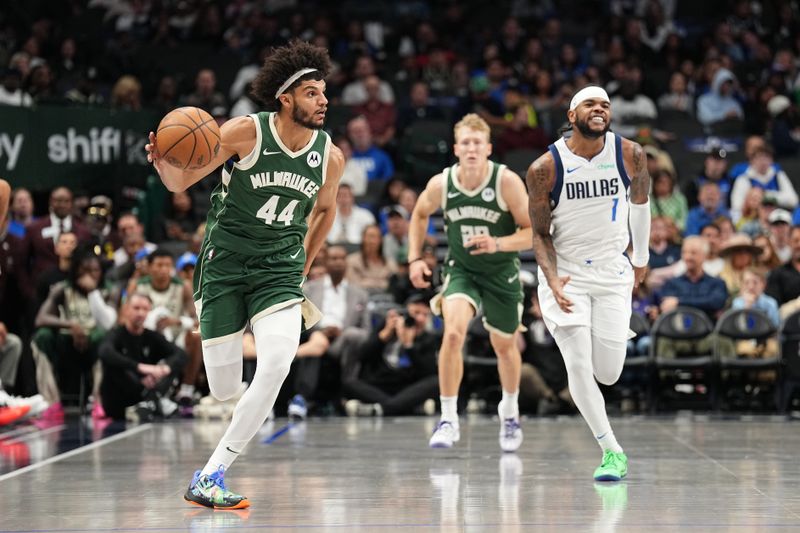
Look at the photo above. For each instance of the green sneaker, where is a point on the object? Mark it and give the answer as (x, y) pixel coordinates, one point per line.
(210, 491)
(613, 468)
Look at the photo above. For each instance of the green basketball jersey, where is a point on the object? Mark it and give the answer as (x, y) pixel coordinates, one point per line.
(261, 205)
(481, 211)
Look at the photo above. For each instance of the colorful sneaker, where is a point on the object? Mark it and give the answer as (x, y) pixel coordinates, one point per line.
(613, 468)
(36, 402)
(445, 434)
(510, 435)
(11, 414)
(210, 491)
(98, 413)
(298, 410)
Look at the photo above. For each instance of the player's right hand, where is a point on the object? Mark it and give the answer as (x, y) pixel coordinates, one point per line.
(152, 153)
(419, 274)
(558, 291)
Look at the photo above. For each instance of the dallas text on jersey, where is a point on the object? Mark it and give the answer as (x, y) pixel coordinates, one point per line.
(592, 189)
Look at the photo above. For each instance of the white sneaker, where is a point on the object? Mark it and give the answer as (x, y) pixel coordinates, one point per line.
(445, 435)
(351, 407)
(510, 435)
(298, 409)
(37, 403)
(168, 407)
(356, 408)
(429, 407)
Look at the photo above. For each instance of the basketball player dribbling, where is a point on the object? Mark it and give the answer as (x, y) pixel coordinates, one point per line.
(268, 219)
(583, 194)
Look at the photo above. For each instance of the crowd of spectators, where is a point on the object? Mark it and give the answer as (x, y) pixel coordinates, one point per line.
(720, 79)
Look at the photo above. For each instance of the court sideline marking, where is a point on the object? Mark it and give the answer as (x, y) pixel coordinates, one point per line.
(66, 455)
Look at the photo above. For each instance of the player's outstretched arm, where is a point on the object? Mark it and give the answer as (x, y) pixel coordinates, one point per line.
(5, 194)
(639, 218)
(513, 191)
(428, 202)
(321, 218)
(237, 137)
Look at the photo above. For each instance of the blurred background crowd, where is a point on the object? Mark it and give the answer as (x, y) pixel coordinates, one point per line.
(710, 89)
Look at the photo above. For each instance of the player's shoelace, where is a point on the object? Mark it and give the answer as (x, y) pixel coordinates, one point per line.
(441, 425)
(511, 426)
(218, 478)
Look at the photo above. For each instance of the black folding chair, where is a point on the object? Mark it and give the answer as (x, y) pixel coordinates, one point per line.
(745, 324)
(682, 324)
(789, 339)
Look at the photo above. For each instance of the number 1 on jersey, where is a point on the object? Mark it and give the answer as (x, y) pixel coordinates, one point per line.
(267, 211)
(614, 209)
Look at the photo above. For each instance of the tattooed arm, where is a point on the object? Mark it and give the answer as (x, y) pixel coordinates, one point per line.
(541, 178)
(636, 166)
(639, 207)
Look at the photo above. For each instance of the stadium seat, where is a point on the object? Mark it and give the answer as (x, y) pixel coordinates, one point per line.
(424, 149)
(738, 325)
(519, 160)
(730, 128)
(789, 338)
(680, 123)
(682, 324)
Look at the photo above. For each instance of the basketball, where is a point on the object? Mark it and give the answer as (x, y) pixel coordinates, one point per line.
(188, 138)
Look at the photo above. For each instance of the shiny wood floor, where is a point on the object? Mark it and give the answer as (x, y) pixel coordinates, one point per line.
(686, 473)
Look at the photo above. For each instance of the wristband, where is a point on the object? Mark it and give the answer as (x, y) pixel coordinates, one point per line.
(415, 260)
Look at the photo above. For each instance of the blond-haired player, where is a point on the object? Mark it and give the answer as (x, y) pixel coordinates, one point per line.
(484, 207)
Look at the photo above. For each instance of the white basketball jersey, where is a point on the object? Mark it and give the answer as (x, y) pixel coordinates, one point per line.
(590, 203)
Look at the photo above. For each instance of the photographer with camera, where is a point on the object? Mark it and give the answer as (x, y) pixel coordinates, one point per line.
(398, 365)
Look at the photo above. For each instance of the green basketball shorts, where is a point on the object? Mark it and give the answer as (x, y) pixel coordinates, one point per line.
(232, 288)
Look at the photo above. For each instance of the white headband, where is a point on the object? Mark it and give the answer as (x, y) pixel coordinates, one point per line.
(293, 78)
(586, 93)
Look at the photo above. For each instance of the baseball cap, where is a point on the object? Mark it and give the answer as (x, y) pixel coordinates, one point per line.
(717, 151)
(779, 216)
(187, 259)
(778, 104)
(398, 210)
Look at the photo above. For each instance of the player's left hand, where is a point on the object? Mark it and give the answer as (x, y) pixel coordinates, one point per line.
(481, 244)
(639, 274)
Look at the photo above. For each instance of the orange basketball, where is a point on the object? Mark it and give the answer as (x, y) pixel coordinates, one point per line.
(188, 138)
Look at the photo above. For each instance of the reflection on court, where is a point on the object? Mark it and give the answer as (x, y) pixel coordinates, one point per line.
(378, 475)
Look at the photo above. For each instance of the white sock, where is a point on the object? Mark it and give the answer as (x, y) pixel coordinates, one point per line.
(449, 408)
(186, 391)
(277, 336)
(508, 406)
(609, 442)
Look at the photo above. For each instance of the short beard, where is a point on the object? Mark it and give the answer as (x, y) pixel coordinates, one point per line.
(304, 119)
(586, 131)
